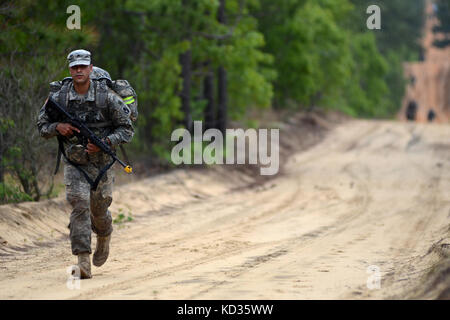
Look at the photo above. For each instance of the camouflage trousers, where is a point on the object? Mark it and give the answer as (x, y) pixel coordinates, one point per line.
(89, 208)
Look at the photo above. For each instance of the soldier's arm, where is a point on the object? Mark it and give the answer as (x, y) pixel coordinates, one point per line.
(47, 128)
(120, 117)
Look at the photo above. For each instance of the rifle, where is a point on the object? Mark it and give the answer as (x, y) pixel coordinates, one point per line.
(59, 114)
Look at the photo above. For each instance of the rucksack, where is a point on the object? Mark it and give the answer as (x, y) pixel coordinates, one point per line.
(102, 81)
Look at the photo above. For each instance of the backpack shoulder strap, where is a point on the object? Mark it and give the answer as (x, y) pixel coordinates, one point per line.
(63, 99)
(101, 93)
(64, 92)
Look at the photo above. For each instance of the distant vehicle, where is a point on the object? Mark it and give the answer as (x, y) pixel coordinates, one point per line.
(411, 111)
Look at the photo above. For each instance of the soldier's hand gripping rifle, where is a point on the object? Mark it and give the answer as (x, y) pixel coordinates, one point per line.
(59, 114)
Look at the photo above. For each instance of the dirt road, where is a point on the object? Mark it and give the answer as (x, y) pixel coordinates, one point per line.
(372, 193)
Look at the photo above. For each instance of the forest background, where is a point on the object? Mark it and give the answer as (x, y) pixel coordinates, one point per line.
(211, 60)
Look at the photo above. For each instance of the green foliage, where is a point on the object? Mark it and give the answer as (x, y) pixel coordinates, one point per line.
(11, 194)
(249, 70)
(5, 124)
(122, 217)
(366, 90)
(313, 53)
(401, 24)
(142, 41)
(34, 42)
(324, 54)
(286, 54)
(397, 41)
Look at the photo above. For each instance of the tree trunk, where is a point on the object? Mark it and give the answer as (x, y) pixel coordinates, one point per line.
(34, 182)
(3, 149)
(208, 95)
(221, 12)
(222, 82)
(223, 100)
(185, 95)
(1, 161)
(1, 167)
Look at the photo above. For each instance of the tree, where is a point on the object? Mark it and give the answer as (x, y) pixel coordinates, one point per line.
(222, 89)
(32, 54)
(181, 45)
(325, 55)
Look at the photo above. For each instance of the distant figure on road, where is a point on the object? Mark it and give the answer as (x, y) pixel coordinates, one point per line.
(431, 115)
(411, 111)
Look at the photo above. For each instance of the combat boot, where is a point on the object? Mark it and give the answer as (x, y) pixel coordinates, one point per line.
(101, 250)
(84, 263)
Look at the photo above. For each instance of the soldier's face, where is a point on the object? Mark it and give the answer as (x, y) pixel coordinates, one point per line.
(80, 73)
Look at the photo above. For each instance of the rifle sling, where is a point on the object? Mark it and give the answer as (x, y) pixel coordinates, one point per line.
(58, 160)
(93, 183)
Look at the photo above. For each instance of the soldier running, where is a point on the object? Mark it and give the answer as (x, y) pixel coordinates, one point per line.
(111, 122)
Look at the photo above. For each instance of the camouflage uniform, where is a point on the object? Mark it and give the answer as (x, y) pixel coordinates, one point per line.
(90, 208)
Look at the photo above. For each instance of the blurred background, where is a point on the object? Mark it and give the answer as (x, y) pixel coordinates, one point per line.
(221, 62)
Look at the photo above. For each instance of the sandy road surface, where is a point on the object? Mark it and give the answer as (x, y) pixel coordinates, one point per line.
(371, 193)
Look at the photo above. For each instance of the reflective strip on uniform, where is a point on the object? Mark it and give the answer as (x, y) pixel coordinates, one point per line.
(128, 98)
(129, 101)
